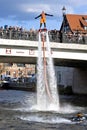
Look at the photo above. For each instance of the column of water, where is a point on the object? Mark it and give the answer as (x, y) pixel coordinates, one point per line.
(43, 101)
(41, 94)
(52, 77)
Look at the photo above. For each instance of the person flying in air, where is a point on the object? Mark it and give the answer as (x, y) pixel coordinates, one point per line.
(43, 18)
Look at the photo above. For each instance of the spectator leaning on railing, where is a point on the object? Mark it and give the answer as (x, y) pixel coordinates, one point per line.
(15, 32)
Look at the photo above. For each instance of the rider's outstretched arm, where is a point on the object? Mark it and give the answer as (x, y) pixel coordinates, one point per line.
(38, 16)
(48, 14)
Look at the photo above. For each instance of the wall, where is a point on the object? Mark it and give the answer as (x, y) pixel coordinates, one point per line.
(64, 76)
(80, 81)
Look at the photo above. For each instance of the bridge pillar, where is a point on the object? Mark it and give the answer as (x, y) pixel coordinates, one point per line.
(80, 81)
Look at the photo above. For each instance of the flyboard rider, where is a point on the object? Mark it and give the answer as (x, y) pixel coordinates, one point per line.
(43, 21)
(43, 18)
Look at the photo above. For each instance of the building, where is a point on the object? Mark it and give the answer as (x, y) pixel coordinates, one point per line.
(74, 28)
(17, 70)
(74, 23)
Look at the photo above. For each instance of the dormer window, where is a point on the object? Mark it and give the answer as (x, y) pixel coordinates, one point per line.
(86, 20)
(85, 27)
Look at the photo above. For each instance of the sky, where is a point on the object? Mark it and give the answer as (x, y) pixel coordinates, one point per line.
(22, 13)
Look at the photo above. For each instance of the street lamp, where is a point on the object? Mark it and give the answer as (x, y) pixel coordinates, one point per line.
(63, 10)
(63, 13)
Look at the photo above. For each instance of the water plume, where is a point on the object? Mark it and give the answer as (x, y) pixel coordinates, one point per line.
(47, 93)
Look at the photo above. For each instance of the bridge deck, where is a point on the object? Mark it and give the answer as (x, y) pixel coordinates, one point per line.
(22, 51)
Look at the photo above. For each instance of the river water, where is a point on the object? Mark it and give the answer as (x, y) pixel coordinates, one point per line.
(18, 111)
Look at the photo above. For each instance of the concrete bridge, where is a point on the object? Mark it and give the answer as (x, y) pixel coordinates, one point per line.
(22, 51)
(65, 54)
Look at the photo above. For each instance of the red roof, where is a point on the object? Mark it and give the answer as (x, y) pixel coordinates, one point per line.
(77, 22)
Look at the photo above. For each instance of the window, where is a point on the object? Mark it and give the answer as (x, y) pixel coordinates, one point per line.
(85, 27)
(20, 65)
(59, 78)
(86, 20)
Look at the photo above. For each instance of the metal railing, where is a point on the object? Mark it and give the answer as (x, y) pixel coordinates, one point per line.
(14, 34)
(79, 39)
(54, 36)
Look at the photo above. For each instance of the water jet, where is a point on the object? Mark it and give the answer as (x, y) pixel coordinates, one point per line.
(47, 93)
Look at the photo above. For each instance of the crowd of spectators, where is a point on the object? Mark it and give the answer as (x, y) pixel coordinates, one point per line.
(15, 32)
(75, 37)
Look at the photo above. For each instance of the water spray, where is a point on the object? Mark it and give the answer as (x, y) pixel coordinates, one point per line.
(45, 69)
(47, 94)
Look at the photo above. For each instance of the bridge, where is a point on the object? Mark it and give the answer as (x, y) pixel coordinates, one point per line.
(65, 54)
(23, 51)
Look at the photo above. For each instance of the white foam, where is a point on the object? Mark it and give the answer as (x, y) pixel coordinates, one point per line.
(51, 120)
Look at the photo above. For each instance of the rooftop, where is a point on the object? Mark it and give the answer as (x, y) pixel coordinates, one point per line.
(77, 22)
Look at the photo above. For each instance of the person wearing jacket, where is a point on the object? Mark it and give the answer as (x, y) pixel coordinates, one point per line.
(43, 18)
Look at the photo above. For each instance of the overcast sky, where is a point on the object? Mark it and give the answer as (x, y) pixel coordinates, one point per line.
(22, 12)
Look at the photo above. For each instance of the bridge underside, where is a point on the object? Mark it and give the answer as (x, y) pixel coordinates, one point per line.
(70, 63)
(33, 60)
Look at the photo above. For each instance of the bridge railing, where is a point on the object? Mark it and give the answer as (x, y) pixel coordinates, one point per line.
(14, 34)
(54, 36)
(74, 38)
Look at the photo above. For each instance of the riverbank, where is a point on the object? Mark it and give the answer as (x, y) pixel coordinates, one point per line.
(18, 86)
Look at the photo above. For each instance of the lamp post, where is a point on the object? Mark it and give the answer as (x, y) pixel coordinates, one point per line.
(63, 10)
(63, 14)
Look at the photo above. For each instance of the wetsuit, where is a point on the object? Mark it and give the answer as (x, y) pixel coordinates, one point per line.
(43, 18)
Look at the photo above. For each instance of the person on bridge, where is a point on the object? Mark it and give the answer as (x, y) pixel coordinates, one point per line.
(43, 18)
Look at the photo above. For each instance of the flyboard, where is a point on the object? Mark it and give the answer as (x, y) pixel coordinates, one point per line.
(43, 34)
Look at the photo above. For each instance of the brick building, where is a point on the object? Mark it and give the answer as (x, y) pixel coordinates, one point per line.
(17, 70)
